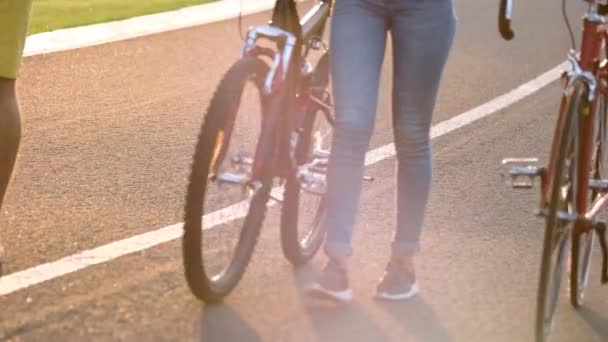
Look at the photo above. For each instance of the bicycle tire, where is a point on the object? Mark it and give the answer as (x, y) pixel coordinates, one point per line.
(202, 285)
(554, 248)
(295, 249)
(580, 264)
(300, 250)
(582, 243)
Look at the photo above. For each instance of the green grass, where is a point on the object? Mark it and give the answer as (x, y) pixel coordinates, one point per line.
(48, 15)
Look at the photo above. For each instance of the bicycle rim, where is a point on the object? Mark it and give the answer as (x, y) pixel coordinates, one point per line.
(582, 244)
(302, 230)
(557, 231)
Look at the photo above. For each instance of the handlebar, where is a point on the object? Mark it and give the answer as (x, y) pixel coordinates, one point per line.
(504, 19)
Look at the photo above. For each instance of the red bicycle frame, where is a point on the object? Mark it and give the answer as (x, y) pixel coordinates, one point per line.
(588, 68)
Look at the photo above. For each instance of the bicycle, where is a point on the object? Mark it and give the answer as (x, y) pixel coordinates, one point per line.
(289, 156)
(574, 182)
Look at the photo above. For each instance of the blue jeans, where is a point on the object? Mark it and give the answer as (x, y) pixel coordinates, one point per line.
(422, 32)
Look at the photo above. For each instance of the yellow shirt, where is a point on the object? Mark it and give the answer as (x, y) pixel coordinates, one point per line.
(14, 17)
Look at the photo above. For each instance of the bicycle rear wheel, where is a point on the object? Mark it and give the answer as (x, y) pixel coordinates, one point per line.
(582, 243)
(560, 207)
(223, 216)
(303, 210)
(302, 231)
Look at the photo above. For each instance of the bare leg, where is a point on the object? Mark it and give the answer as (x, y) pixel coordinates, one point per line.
(10, 134)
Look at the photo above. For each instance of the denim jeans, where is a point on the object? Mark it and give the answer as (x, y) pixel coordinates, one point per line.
(422, 32)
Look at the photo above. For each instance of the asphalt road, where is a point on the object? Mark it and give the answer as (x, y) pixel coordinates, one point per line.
(108, 137)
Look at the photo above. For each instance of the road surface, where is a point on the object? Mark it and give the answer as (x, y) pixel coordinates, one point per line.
(107, 143)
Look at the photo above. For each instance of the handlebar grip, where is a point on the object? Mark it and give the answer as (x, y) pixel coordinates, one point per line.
(504, 19)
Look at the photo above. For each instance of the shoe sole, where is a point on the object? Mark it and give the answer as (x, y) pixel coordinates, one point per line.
(317, 290)
(400, 296)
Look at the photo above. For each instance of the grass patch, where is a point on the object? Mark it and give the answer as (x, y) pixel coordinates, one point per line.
(48, 15)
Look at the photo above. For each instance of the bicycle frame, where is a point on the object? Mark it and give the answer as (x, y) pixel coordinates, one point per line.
(291, 37)
(589, 69)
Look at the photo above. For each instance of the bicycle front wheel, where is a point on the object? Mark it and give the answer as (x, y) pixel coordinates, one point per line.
(582, 243)
(560, 207)
(223, 215)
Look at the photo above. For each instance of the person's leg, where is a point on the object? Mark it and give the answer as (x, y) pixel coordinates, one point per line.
(358, 38)
(14, 17)
(422, 34)
(10, 132)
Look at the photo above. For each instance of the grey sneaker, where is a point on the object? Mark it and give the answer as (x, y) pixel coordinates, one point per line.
(397, 283)
(332, 284)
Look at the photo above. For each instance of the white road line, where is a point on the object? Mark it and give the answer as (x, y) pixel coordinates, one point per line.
(41, 273)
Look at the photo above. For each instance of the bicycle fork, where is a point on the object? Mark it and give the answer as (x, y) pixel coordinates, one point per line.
(521, 173)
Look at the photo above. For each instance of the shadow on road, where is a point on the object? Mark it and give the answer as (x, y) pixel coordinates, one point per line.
(597, 322)
(347, 322)
(336, 322)
(351, 322)
(222, 324)
(417, 318)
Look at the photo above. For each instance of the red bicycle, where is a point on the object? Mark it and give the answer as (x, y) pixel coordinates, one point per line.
(574, 182)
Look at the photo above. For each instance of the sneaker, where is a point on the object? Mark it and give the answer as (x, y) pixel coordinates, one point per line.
(332, 284)
(397, 283)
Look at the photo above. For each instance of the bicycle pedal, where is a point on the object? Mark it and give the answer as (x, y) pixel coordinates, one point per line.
(320, 153)
(312, 182)
(599, 185)
(239, 159)
(232, 178)
(520, 173)
(319, 166)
